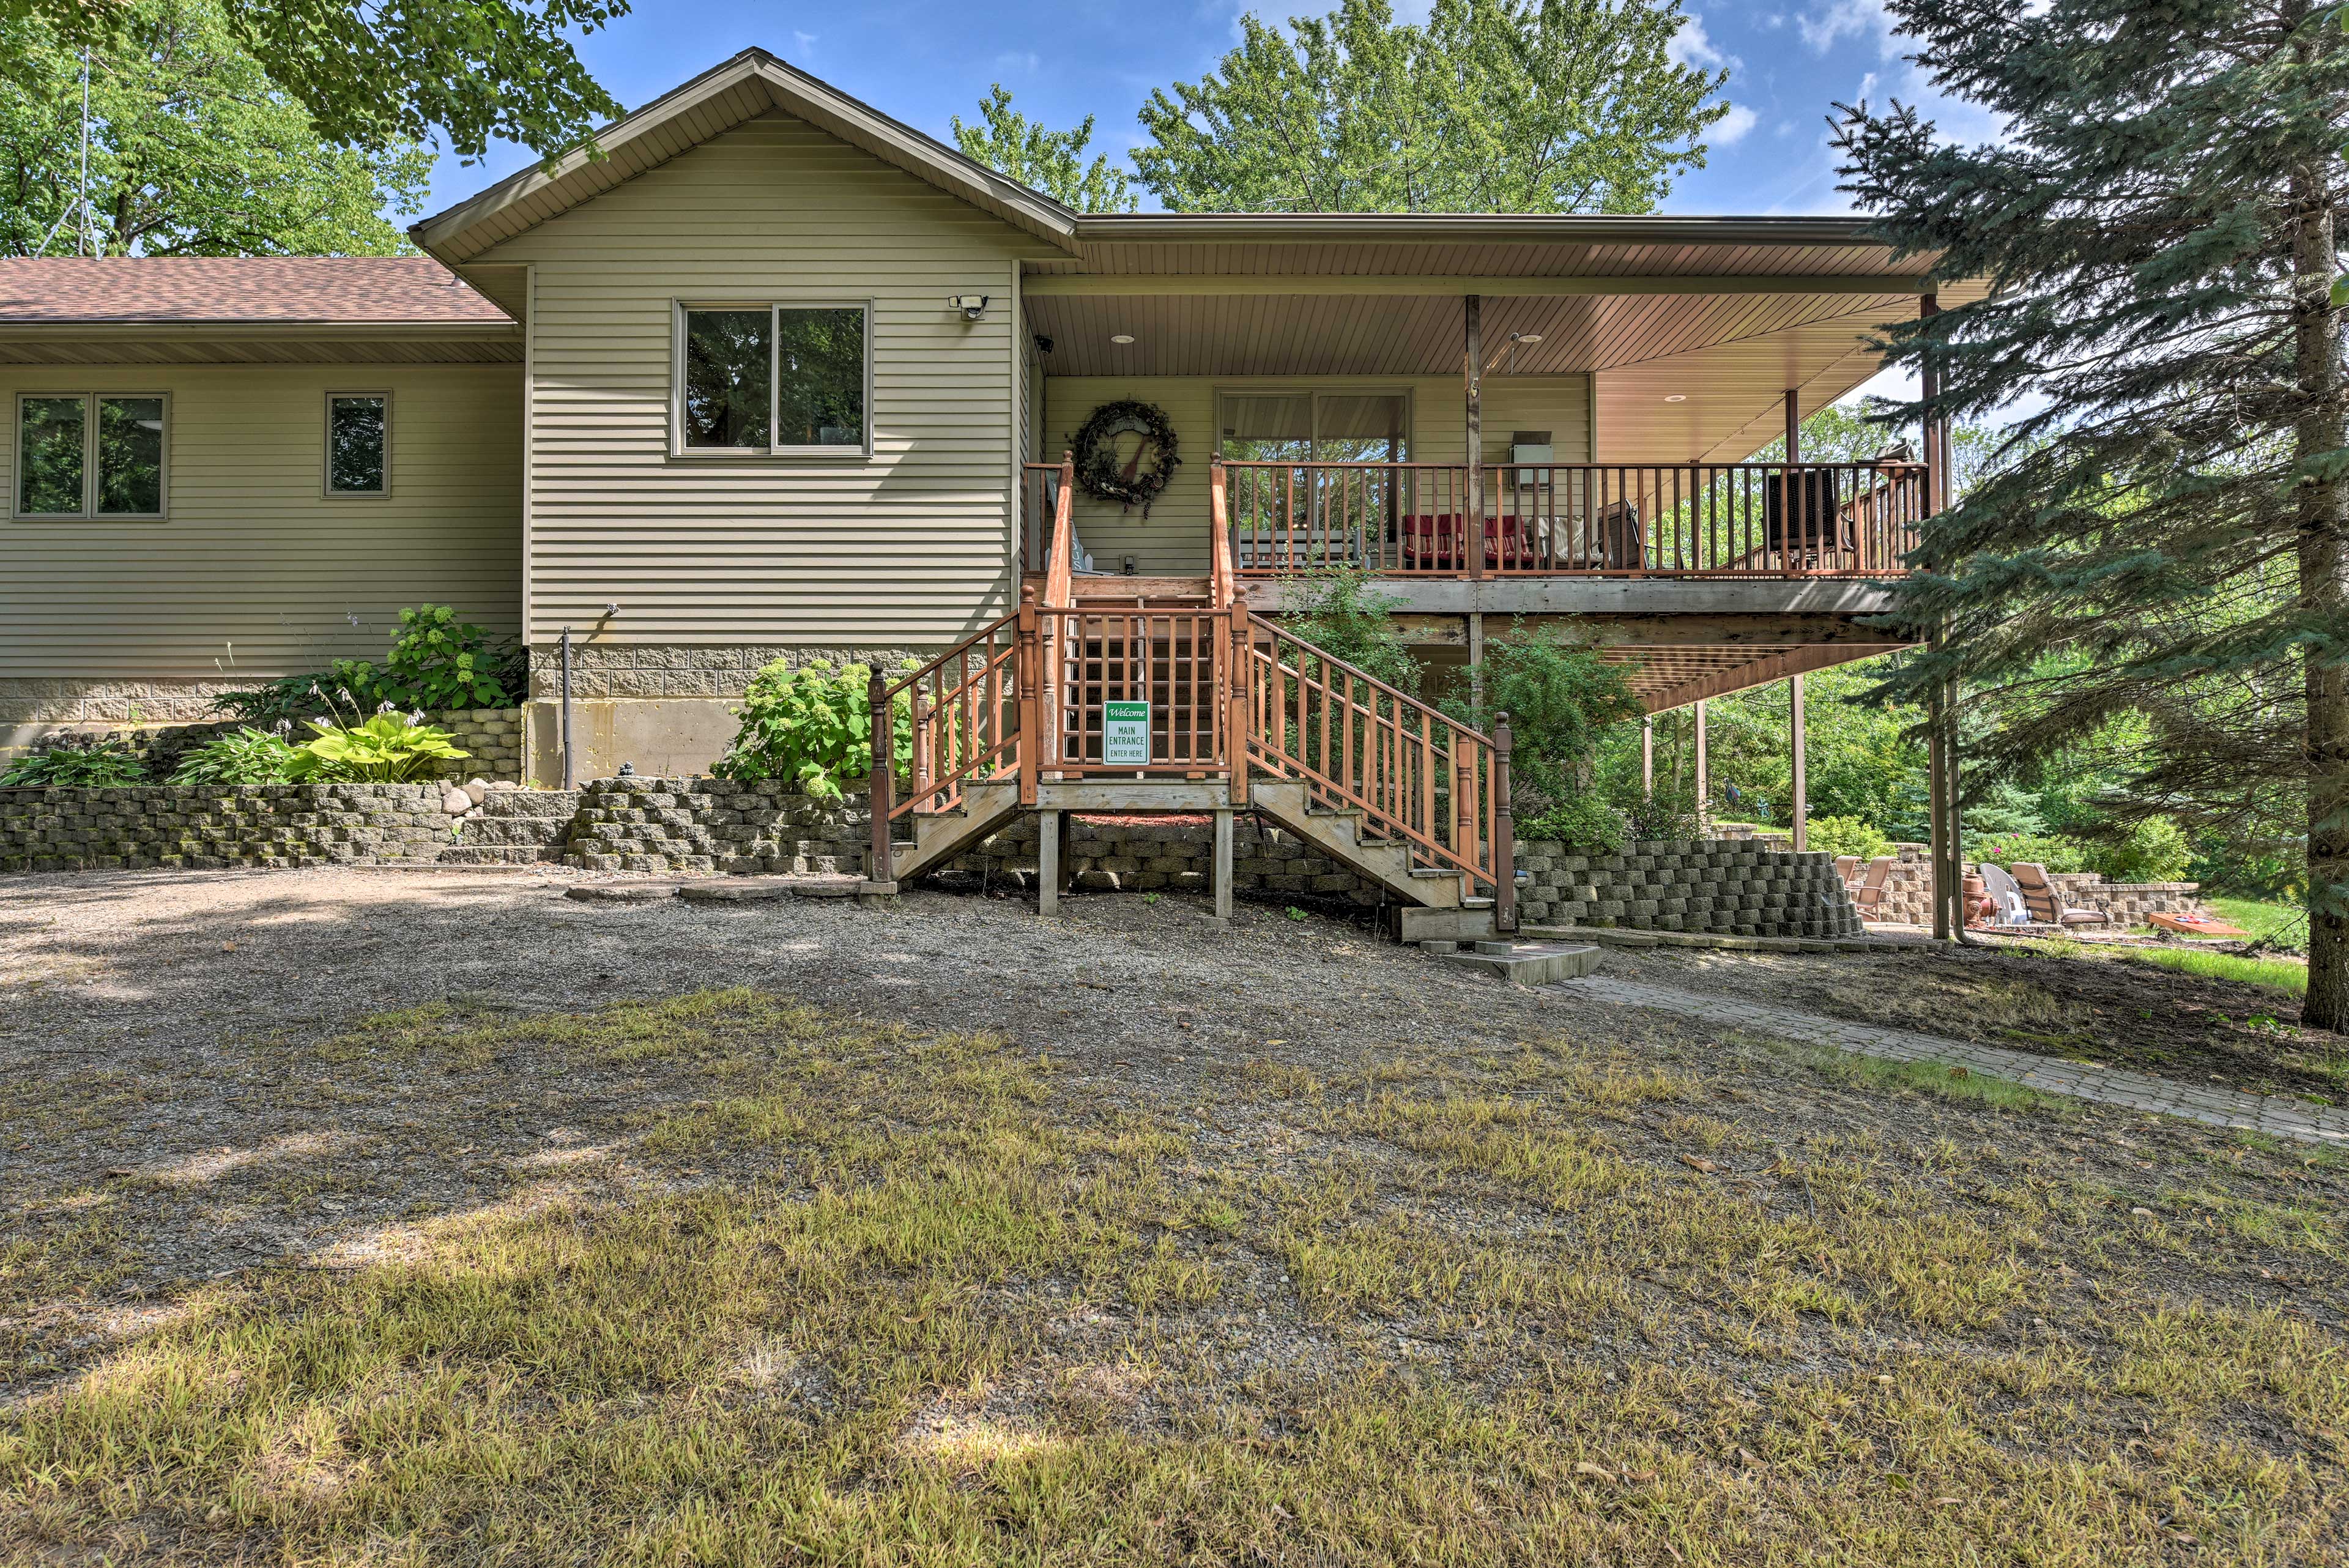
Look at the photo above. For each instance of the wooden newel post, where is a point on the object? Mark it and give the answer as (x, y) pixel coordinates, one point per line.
(1236, 727)
(1027, 661)
(1504, 832)
(883, 788)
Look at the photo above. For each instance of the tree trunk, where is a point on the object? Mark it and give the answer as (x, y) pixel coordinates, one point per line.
(2323, 551)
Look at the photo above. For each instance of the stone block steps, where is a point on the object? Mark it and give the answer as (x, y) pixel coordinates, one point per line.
(1520, 962)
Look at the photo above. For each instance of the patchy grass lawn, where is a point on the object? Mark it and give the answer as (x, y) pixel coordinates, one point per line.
(779, 1282)
(2285, 924)
(2165, 1009)
(2289, 976)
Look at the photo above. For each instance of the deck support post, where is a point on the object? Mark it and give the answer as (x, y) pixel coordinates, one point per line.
(1047, 862)
(1476, 659)
(1703, 774)
(1647, 754)
(1941, 755)
(1790, 494)
(1797, 732)
(1223, 871)
(1472, 526)
(882, 790)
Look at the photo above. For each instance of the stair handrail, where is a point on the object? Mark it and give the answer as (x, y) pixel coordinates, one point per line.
(1060, 563)
(1470, 753)
(932, 728)
(1223, 571)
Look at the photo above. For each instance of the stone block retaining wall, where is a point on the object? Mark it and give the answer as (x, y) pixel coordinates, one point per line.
(1722, 886)
(1909, 893)
(739, 826)
(200, 828)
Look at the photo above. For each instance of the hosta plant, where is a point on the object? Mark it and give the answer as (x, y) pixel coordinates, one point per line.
(249, 756)
(95, 766)
(390, 748)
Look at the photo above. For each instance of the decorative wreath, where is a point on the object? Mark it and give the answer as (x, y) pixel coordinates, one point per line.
(1130, 471)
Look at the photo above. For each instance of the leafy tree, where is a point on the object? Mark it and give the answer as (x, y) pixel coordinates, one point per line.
(2161, 220)
(1519, 105)
(1052, 161)
(377, 75)
(192, 151)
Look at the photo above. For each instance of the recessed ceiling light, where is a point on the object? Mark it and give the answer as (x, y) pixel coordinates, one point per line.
(1676, 397)
(1121, 339)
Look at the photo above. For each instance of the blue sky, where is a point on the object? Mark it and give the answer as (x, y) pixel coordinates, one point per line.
(926, 60)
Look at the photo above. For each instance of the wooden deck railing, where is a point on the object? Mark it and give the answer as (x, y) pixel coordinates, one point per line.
(1707, 520)
(1416, 775)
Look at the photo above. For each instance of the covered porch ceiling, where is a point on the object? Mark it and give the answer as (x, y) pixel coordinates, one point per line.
(1723, 315)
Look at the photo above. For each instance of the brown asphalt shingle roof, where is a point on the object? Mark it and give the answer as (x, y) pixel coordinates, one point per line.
(373, 290)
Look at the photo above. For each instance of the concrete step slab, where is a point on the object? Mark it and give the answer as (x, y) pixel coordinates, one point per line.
(1530, 964)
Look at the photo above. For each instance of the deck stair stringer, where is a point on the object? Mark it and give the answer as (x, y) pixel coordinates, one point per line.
(940, 836)
(1338, 834)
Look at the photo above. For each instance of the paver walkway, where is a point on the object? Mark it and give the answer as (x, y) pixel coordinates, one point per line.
(2271, 1114)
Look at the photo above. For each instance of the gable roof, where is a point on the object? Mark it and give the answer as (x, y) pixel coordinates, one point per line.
(240, 291)
(752, 83)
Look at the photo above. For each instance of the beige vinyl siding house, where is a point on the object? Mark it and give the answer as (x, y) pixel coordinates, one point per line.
(908, 547)
(254, 571)
(1173, 541)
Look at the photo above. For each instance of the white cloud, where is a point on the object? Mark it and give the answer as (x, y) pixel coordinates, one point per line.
(1018, 62)
(806, 42)
(1692, 46)
(1829, 22)
(1732, 127)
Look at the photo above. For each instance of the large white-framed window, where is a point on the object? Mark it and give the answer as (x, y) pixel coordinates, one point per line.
(359, 446)
(92, 456)
(787, 378)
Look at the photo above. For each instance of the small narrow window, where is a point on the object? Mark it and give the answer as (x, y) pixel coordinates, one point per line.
(728, 390)
(819, 377)
(358, 432)
(91, 454)
(52, 456)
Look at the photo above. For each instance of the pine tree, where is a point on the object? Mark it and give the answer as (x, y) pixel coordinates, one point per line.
(2159, 221)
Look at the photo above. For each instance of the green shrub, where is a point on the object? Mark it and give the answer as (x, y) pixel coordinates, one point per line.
(1668, 811)
(249, 756)
(390, 748)
(1562, 700)
(1340, 612)
(1582, 821)
(436, 663)
(2156, 850)
(1847, 835)
(2047, 849)
(813, 727)
(98, 765)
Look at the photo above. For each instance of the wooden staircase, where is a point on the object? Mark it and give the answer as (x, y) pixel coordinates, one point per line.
(1243, 715)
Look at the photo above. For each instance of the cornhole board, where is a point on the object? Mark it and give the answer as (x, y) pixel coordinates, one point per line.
(2194, 926)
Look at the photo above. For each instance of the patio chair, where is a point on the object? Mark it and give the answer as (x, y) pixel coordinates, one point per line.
(1847, 866)
(1869, 893)
(2046, 905)
(2011, 909)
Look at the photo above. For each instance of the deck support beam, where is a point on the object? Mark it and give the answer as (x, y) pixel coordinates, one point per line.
(1048, 861)
(1223, 872)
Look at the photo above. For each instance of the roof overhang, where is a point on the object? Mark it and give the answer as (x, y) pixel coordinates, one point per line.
(752, 83)
(258, 342)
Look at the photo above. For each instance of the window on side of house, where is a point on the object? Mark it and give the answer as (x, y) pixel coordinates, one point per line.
(91, 455)
(779, 380)
(358, 443)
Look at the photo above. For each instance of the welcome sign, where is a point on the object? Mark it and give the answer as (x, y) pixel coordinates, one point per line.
(1125, 735)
